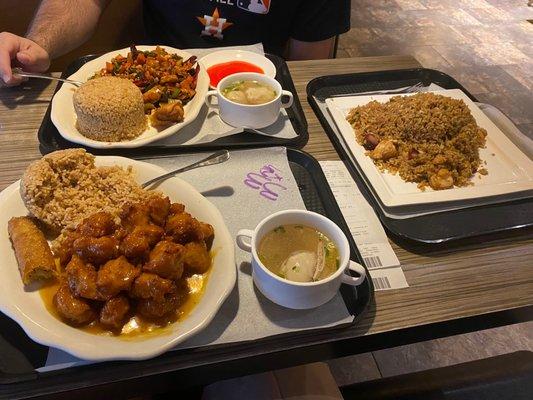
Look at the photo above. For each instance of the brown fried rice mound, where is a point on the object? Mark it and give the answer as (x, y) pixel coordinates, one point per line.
(65, 186)
(109, 109)
(426, 138)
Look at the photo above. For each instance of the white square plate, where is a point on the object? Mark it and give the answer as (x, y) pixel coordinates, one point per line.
(509, 170)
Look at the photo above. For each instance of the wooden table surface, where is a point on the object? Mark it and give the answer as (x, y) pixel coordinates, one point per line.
(445, 284)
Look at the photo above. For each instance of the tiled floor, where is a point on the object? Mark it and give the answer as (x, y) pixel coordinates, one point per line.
(487, 45)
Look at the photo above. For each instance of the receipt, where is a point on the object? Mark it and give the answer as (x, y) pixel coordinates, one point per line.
(365, 227)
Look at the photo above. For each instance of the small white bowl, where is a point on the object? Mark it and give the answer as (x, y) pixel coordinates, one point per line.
(300, 295)
(255, 116)
(223, 56)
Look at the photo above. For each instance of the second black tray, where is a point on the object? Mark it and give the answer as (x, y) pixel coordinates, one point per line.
(431, 229)
(50, 139)
(20, 356)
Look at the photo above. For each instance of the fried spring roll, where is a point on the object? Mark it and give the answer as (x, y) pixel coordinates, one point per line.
(34, 257)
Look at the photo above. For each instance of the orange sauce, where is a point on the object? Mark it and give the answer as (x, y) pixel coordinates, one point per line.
(137, 327)
(218, 72)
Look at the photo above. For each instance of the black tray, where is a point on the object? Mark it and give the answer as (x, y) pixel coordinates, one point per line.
(20, 356)
(50, 139)
(494, 219)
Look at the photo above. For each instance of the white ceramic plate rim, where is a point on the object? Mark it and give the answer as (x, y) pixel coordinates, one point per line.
(92, 347)
(63, 115)
(519, 161)
(222, 56)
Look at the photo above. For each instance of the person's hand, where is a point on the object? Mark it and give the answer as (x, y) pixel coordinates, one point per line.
(16, 51)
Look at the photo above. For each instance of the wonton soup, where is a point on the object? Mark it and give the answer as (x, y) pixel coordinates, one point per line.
(249, 92)
(299, 253)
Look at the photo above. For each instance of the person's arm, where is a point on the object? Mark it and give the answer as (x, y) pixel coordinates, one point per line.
(298, 50)
(62, 25)
(58, 27)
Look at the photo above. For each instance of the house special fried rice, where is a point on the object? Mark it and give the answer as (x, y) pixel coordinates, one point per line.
(426, 138)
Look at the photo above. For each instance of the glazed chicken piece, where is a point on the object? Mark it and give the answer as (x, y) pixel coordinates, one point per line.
(81, 279)
(176, 208)
(133, 215)
(116, 276)
(76, 311)
(114, 312)
(196, 259)
(184, 228)
(136, 245)
(151, 232)
(97, 225)
(159, 208)
(154, 308)
(166, 260)
(64, 249)
(119, 234)
(96, 250)
(208, 233)
(167, 113)
(148, 286)
(154, 210)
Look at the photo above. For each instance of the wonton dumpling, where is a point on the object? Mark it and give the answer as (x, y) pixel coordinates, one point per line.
(258, 94)
(299, 266)
(237, 96)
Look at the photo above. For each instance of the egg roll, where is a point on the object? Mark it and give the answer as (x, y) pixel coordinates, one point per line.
(34, 257)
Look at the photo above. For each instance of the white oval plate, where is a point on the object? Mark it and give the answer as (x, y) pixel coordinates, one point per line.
(64, 117)
(223, 56)
(28, 309)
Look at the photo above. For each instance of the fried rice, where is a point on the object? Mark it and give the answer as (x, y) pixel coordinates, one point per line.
(65, 186)
(426, 138)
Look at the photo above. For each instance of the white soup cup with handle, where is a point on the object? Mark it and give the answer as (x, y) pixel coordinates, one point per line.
(300, 295)
(254, 116)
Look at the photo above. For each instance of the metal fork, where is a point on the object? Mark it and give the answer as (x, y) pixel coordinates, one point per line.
(410, 89)
(19, 72)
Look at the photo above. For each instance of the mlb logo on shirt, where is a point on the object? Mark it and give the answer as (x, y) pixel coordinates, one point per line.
(255, 6)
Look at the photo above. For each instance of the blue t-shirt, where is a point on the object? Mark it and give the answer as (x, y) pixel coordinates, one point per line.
(209, 23)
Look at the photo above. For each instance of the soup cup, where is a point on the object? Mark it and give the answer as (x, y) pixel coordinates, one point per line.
(249, 115)
(299, 295)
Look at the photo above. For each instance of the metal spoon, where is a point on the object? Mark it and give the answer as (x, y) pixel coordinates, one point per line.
(19, 72)
(215, 158)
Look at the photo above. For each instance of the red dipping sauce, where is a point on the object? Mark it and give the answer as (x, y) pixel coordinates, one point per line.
(218, 72)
